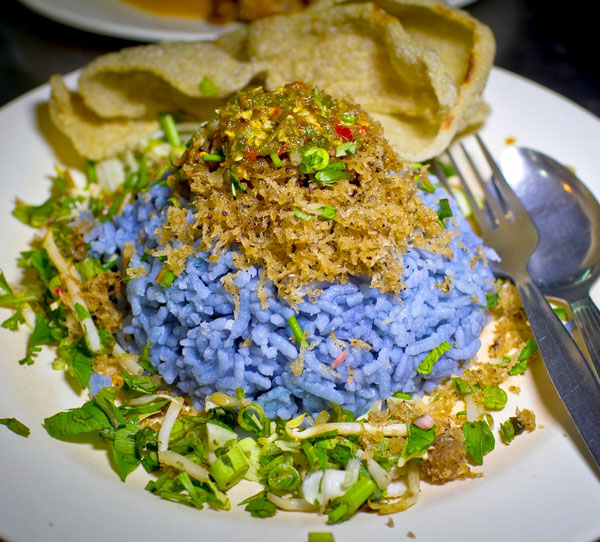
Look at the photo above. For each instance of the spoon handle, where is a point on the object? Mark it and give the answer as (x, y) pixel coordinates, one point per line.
(572, 376)
(587, 318)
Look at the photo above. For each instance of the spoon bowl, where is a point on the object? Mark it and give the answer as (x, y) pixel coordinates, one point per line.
(566, 261)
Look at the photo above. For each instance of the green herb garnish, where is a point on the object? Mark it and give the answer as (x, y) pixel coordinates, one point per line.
(417, 442)
(444, 212)
(494, 398)
(346, 149)
(479, 440)
(461, 386)
(562, 314)
(207, 87)
(301, 214)
(15, 426)
(426, 366)
(529, 350)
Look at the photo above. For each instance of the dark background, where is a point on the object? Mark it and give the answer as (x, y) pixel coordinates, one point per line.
(550, 43)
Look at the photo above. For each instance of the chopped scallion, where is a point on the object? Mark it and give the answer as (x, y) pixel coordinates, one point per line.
(167, 123)
(327, 212)
(214, 157)
(444, 212)
(297, 331)
(426, 366)
(276, 160)
(301, 214)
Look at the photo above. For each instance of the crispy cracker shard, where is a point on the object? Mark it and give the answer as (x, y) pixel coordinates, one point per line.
(419, 67)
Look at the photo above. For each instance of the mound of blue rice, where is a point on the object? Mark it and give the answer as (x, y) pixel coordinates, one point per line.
(201, 342)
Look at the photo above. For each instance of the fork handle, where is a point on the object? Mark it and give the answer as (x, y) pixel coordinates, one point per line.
(587, 319)
(572, 376)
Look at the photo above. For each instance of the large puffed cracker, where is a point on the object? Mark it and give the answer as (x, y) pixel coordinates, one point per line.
(92, 136)
(466, 48)
(358, 52)
(143, 81)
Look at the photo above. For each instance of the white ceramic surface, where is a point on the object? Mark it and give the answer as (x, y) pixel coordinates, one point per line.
(541, 487)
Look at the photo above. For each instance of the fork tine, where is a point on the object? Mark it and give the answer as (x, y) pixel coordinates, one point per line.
(491, 202)
(479, 215)
(439, 173)
(502, 187)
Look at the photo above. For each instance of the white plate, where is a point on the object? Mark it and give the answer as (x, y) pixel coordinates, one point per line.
(540, 487)
(121, 20)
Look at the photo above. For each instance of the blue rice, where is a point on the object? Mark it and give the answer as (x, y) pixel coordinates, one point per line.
(201, 344)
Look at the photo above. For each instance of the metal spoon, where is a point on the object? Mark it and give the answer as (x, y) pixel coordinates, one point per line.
(567, 260)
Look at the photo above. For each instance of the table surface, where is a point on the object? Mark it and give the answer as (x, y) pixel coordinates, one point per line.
(534, 40)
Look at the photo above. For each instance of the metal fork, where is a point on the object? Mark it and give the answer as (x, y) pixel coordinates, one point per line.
(507, 228)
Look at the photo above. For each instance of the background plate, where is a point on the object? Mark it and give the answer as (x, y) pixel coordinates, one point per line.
(542, 486)
(121, 20)
(118, 19)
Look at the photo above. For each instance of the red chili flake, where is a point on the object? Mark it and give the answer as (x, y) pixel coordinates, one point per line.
(344, 132)
(251, 155)
(58, 292)
(275, 111)
(362, 130)
(281, 150)
(340, 359)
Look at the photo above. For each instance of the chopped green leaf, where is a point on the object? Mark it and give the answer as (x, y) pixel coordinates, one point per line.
(507, 431)
(87, 418)
(327, 212)
(461, 386)
(562, 314)
(15, 426)
(81, 312)
(346, 149)
(13, 301)
(79, 361)
(417, 441)
(510, 429)
(331, 175)
(494, 398)
(320, 537)
(259, 506)
(207, 87)
(491, 300)
(426, 366)
(124, 449)
(444, 211)
(529, 350)
(142, 384)
(34, 215)
(42, 334)
(348, 118)
(400, 395)
(479, 440)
